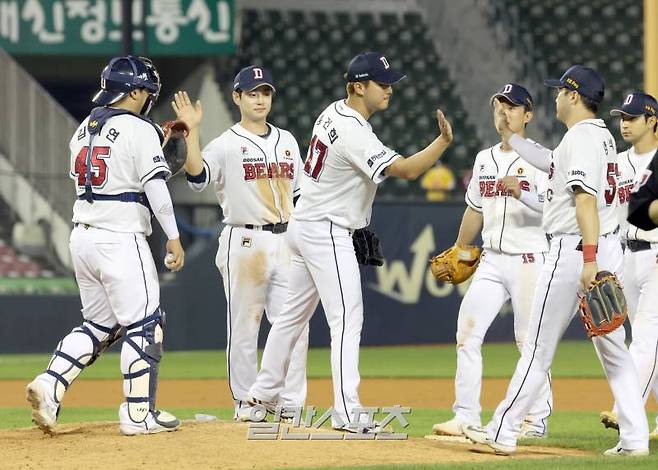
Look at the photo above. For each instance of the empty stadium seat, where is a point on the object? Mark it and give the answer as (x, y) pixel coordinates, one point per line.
(606, 35)
(308, 54)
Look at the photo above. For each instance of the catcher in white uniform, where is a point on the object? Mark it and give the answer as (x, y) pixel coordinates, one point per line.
(638, 127)
(119, 172)
(254, 167)
(345, 162)
(504, 199)
(581, 218)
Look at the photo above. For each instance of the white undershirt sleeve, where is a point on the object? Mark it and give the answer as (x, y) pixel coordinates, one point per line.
(532, 200)
(160, 201)
(532, 152)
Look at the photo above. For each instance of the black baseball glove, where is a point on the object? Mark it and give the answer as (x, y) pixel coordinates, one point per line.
(367, 248)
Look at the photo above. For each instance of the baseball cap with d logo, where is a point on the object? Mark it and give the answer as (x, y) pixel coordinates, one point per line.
(372, 66)
(637, 104)
(515, 94)
(250, 78)
(584, 80)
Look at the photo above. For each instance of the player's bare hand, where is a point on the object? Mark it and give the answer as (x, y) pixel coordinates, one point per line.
(511, 184)
(444, 127)
(186, 111)
(175, 258)
(501, 121)
(588, 276)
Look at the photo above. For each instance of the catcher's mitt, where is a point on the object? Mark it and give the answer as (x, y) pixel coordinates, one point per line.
(367, 248)
(456, 264)
(173, 147)
(603, 307)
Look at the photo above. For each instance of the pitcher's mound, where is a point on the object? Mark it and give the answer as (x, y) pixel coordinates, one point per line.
(219, 444)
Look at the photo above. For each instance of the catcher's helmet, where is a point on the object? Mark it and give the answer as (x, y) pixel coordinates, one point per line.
(124, 74)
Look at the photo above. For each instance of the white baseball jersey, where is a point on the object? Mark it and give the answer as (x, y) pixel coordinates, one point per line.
(509, 225)
(255, 177)
(342, 142)
(126, 154)
(586, 157)
(631, 165)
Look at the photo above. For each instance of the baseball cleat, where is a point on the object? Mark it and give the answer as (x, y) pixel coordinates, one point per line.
(365, 428)
(528, 431)
(44, 414)
(479, 435)
(619, 451)
(449, 428)
(609, 419)
(155, 422)
(250, 414)
(270, 406)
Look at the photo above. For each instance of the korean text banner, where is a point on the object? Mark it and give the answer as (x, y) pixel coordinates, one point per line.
(93, 27)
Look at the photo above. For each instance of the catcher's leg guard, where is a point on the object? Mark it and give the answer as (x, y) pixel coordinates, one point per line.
(80, 348)
(140, 359)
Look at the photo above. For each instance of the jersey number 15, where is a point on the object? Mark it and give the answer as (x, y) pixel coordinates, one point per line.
(98, 166)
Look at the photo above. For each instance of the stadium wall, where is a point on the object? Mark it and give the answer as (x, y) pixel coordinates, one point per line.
(403, 302)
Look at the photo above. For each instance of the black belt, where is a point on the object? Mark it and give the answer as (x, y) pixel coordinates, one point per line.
(123, 197)
(638, 245)
(274, 228)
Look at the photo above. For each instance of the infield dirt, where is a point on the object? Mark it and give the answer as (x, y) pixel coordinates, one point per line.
(220, 444)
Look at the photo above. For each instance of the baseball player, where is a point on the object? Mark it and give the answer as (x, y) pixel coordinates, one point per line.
(638, 126)
(581, 218)
(345, 162)
(254, 167)
(504, 199)
(643, 203)
(119, 172)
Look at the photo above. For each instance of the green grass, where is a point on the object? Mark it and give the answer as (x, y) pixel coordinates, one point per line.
(568, 429)
(29, 286)
(375, 362)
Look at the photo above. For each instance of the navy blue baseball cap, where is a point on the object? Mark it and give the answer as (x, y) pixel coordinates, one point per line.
(250, 78)
(372, 66)
(637, 104)
(515, 94)
(584, 80)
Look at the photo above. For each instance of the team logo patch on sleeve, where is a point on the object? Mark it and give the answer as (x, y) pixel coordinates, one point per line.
(158, 159)
(374, 158)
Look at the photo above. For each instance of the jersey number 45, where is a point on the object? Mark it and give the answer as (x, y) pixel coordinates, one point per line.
(317, 152)
(98, 166)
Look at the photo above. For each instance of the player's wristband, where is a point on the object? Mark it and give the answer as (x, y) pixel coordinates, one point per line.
(589, 253)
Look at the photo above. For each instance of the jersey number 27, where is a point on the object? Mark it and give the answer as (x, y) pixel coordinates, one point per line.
(98, 166)
(317, 152)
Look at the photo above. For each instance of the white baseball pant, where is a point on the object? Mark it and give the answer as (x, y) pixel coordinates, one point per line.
(255, 266)
(323, 267)
(641, 289)
(499, 277)
(554, 306)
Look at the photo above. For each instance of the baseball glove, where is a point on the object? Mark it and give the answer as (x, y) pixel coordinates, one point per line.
(173, 146)
(456, 264)
(603, 306)
(367, 248)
